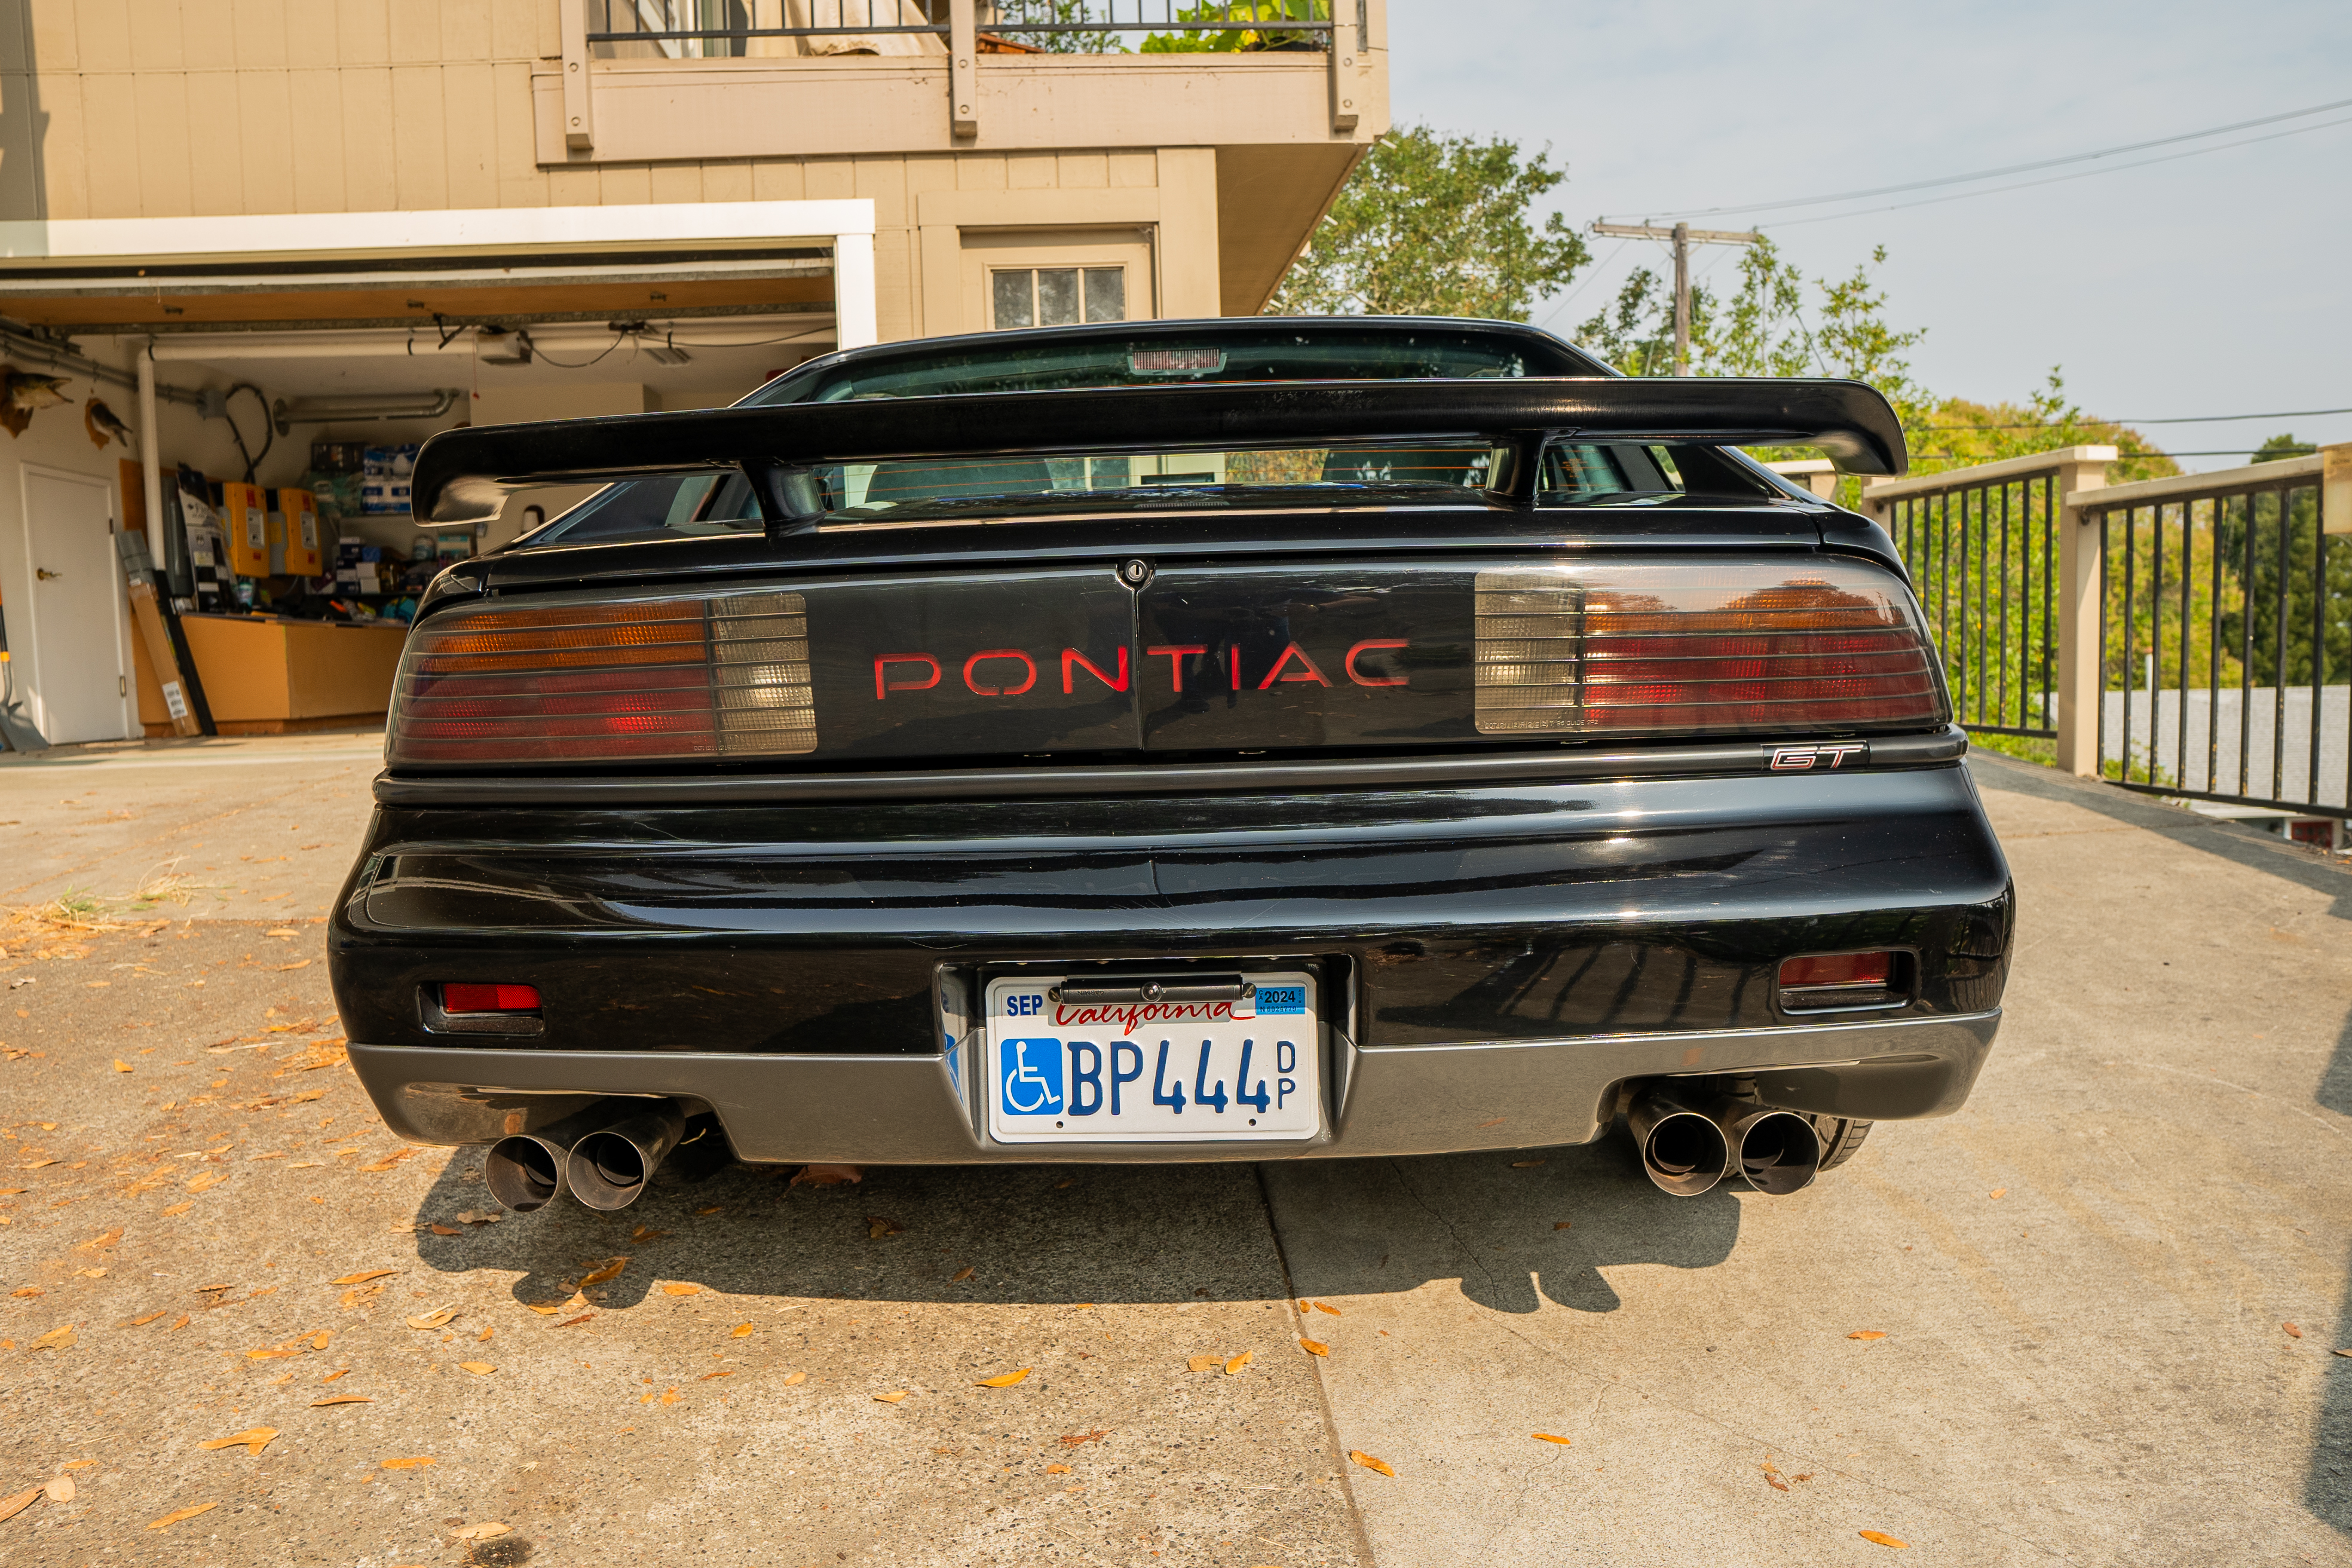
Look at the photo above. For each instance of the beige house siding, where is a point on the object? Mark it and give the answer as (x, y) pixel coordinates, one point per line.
(184, 108)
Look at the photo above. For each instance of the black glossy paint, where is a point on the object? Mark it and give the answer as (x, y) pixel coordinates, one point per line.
(1527, 911)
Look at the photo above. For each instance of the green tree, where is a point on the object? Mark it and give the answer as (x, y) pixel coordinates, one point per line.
(1436, 225)
(1251, 37)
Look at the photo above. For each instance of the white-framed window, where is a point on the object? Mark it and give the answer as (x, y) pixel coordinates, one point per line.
(1055, 296)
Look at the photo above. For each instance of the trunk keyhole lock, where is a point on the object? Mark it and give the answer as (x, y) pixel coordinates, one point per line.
(1135, 573)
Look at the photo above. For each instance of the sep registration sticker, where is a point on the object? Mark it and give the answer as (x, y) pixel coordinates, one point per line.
(1153, 1072)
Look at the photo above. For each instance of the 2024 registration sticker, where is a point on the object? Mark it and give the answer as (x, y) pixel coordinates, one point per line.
(1153, 1071)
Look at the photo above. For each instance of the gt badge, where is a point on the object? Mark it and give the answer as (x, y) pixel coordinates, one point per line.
(1804, 759)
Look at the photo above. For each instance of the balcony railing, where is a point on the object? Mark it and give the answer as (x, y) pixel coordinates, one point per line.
(709, 29)
(2189, 637)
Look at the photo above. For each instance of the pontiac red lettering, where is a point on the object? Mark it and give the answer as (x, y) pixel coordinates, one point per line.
(1361, 679)
(1027, 680)
(1308, 673)
(1071, 656)
(881, 685)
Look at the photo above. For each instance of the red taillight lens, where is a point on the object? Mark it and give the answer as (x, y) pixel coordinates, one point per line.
(457, 996)
(1657, 646)
(1875, 969)
(568, 681)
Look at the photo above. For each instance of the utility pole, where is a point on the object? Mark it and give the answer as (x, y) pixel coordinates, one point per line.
(1684, 237)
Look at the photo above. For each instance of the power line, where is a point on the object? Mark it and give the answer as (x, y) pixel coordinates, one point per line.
(2062, 179)
(2183, 419)
(2018, 168)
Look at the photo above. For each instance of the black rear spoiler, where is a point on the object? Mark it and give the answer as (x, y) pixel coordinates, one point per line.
(463, 475)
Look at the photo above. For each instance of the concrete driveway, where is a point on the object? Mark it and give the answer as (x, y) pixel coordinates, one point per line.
(2084, 1283)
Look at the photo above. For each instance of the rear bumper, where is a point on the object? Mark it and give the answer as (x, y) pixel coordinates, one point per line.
(1398, 1099)
(1497, 959)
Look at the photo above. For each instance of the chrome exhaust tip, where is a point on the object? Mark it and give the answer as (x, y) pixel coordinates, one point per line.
(1779, 1152)
(1684, 1152)
(609, 1168)
(524, 1172)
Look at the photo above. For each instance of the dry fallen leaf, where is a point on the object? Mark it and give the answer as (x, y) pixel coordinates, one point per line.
(1327, 1306)
(417, 1463)
(1314, 1347)
(575, 1323)
(440, 1229)
(1074, 1440)
(876, 1227)
(793, 1379)
(1003, 1380)
(885, 1398)
(1550, 1437)
(11, 1507)
(343, 1399)
(1204, 1363)
(1370, 1463)
(481, 1532)
(1057, 1469)
(723, 1372)
(1524, 1165)
(28, 1290)
(669, 1396)
(170, 1519)
(61, 1489)
(2343, 1352)
(681, 1290)
(2291, 1329)
(1866, 1335)
(252, 1440)
(741, 1330)
(394, 1158)
(141, 1322)
(960, 1274)
(179, 1208)
(714, 1208)
(1234, 1367)
(478, 1368)
(433, 1320)
(1998, 1193)
(207, 1182)
(1881, 1538)
(122, 1066)
(827, 1175)
(363, 1277)
(609, 1271)
(56, 1339)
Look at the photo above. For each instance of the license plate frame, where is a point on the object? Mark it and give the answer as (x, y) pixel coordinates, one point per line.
(1138, 1056)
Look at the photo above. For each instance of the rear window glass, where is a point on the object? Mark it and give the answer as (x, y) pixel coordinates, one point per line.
(1009, 489)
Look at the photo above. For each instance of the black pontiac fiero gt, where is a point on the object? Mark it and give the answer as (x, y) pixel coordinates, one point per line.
(1231, 739)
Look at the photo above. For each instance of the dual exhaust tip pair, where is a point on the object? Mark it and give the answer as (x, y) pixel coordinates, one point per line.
(606, 1163)
(1690, 1143)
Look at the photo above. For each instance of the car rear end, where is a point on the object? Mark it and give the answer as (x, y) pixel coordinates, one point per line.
(1380, 793)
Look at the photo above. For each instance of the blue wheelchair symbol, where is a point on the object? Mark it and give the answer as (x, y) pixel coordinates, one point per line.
(1030, 1074)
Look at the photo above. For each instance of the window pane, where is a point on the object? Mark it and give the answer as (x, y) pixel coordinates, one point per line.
(1013, 306)
(1105, 293)
(1058, 296)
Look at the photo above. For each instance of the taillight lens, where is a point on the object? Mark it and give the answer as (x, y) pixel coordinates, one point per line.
(1656, 647)
(1838, 969)
(1829, 982)
(726, 675)
(464, 996)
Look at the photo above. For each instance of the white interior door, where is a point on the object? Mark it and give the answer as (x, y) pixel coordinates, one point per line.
(77, 629)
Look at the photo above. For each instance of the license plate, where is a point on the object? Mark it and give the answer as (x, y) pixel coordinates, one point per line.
(1134, 1071)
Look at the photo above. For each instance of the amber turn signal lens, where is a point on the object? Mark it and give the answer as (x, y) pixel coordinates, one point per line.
(1870, 968)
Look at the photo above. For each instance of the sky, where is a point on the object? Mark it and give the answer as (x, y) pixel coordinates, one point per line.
(2220, 283)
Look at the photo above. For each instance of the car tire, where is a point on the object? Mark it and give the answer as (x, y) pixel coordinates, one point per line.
(1840, 1138)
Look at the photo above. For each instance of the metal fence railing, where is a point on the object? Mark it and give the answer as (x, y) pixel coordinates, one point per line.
(2225, 642)
(722, 28)
(1983, 556)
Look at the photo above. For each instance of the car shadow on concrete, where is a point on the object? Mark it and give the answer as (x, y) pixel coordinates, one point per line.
(2327, 1486)
(1510, 1226)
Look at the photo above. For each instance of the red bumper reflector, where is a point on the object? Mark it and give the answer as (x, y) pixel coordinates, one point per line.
(459, 997)
(1870, 968)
